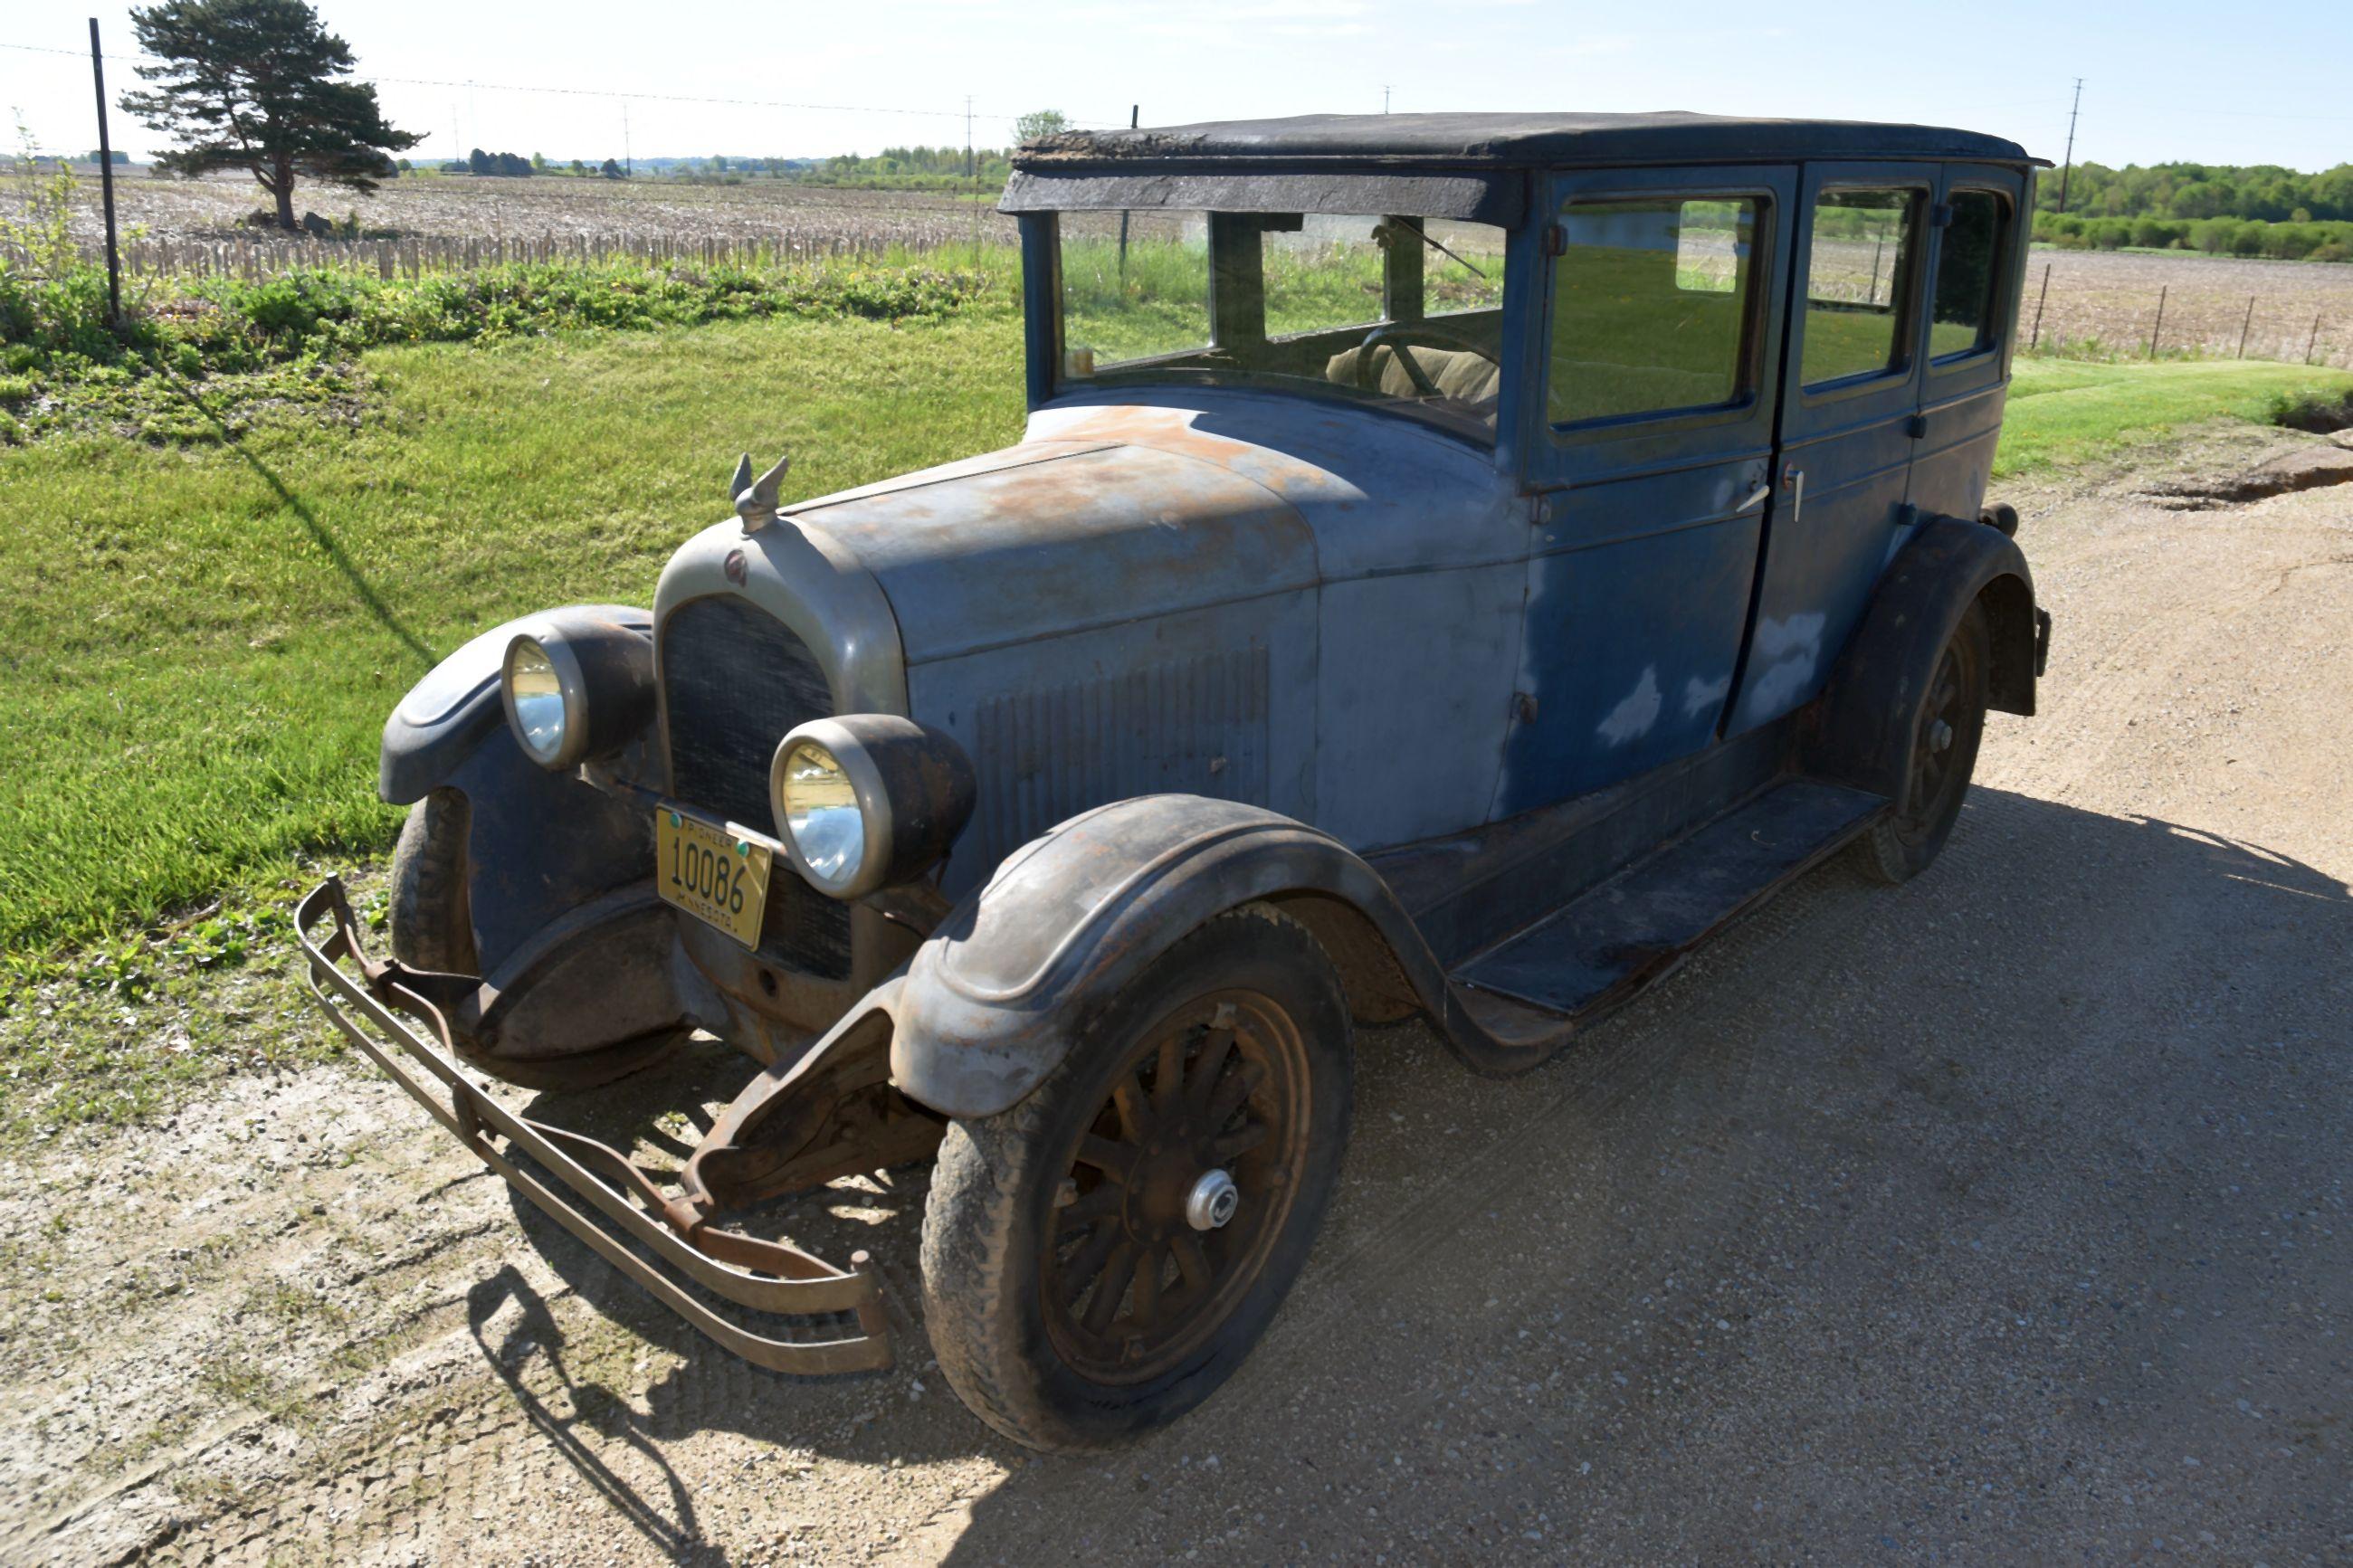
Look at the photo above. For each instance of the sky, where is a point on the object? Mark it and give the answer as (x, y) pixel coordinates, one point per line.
(2161, 80)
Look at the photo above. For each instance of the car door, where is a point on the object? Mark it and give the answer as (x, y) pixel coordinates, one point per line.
(1650, 442)
(1970, 324)
(1849, 408)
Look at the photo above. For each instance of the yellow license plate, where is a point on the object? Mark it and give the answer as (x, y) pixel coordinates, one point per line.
(711, 873)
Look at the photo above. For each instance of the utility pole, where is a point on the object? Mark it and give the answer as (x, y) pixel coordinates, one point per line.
(1385, 98)
(972, 172)
(106, 184)
(628, 163)
(2067, 166)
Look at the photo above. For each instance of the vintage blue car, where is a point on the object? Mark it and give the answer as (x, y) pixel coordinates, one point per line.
(1454, 564)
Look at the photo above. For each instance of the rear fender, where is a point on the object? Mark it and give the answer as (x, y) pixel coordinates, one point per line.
(1006, 986)
(1862, 732)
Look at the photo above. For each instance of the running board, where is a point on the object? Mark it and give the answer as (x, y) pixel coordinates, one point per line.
(1597, 950)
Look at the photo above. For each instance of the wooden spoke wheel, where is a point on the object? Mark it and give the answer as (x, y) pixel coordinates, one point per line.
(1947, 730)
(1100, 1258)
(1178, 1188)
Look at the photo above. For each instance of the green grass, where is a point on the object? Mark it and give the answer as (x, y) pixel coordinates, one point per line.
(2065, 413)
(201, 642)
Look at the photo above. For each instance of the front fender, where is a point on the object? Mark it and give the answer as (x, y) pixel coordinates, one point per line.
(1012, 979)
(445, 716)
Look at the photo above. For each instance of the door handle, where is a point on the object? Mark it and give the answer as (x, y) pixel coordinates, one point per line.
(1794, 478)
(1755, 496)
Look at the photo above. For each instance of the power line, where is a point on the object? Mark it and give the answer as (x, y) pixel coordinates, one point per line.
(640, 97)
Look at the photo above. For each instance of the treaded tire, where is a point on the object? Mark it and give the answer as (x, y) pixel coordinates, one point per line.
(1895, 849)
(995, 1190)
(432, 922)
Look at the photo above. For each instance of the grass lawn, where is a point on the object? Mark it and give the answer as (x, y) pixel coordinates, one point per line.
(2064, 413)
(201, 643)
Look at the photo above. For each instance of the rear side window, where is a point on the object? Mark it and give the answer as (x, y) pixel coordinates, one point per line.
(1969, 258)
(1651, 307)
(1854, 283)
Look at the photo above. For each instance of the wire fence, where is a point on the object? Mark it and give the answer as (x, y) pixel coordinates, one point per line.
(2172, 321)
(2072, 316)
(412, 256)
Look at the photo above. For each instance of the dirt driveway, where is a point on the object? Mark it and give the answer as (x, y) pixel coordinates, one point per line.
(2002, 1217)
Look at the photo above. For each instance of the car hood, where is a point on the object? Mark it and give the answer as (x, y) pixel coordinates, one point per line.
(1120, 513)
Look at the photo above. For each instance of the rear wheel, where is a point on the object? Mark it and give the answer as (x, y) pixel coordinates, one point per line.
(1099, 1258)
(1945, 734)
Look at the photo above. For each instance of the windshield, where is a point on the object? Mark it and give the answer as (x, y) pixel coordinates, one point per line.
(1399, 310)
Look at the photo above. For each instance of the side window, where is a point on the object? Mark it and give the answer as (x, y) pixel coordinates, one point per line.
(1652, 302)
(1854, 283)
(1969, 259)
(1461, 267)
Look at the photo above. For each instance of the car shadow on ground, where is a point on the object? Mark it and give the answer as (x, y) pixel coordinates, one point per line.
(1962, 1000)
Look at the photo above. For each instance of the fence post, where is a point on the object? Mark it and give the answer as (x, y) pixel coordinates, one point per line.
(2311, 340)
(106, 184)
(2154, 330)
(2245, 324)
(2036, 342)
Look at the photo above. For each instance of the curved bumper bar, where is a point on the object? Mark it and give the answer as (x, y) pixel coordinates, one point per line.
(765, 1276)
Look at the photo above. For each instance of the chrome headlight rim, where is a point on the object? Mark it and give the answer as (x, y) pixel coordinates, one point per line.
(871, 869)
(571, 688)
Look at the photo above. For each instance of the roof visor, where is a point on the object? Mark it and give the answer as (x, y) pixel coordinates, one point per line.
(1498, 198)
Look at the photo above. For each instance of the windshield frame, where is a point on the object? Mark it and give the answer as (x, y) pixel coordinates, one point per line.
(1045, 306)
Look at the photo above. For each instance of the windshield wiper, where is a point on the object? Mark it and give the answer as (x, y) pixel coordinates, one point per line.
(1415, 225)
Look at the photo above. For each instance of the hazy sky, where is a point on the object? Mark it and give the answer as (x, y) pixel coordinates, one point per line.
(2163, 81)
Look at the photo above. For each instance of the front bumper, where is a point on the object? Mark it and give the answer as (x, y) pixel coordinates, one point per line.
(841, 1327)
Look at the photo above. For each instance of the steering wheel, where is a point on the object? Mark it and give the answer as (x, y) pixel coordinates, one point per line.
(1398, 337)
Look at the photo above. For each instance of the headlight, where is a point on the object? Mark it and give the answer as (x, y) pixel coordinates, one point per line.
(867, 802)
(536, 701)
(819, 812)
(579, 692)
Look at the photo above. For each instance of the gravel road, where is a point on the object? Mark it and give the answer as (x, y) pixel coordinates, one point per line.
(1999, 1217)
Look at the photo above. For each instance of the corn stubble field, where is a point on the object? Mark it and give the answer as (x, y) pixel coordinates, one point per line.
(2097, 304)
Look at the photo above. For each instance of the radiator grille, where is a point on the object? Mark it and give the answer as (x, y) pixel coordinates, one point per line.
(734, 679)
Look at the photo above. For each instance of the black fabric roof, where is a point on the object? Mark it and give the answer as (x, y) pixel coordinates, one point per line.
(1519, 140)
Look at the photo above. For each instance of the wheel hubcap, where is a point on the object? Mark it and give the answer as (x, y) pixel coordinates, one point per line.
(1212, 1200)
(1177, 1189)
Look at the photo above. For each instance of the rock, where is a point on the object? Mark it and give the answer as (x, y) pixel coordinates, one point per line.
(313, 224)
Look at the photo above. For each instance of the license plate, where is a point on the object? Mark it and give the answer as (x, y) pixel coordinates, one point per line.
(711, 873)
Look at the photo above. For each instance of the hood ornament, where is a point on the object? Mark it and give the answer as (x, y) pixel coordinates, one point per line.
(756, 500)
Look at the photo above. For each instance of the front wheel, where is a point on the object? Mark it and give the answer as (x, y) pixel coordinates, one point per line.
(1103, 1256)
(1945, 733)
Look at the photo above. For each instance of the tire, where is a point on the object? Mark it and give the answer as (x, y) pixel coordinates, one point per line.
(1024, 1233)
(432, 922)
(1898, 849)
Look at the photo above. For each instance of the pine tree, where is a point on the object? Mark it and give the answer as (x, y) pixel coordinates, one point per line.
(255, 85)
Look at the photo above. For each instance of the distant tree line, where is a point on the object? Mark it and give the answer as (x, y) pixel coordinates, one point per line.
(2262, 193)
(2213, 235)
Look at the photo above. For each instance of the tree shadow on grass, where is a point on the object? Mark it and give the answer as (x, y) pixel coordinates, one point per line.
(385, 616)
